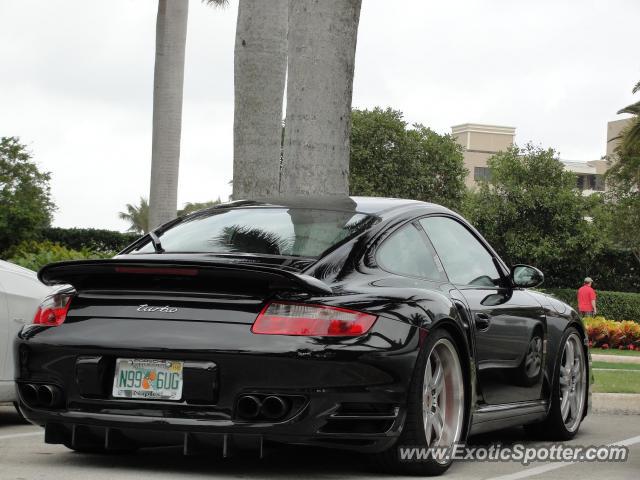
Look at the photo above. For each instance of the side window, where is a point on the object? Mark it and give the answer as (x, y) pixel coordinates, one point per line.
(406, 252)
(465, 259)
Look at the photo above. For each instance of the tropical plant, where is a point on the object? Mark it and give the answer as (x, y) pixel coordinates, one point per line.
(622, 212)
(260, 66)
(321, 56)
(604, 333)
(243, 238)
(137, 216)
(191, 207)
(171, 36)
(389, 159)
(631, 134)
(25, 199)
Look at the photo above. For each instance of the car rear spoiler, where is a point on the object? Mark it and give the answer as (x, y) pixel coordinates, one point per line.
(125, 274)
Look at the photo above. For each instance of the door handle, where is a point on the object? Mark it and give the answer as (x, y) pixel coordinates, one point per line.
(482, 321)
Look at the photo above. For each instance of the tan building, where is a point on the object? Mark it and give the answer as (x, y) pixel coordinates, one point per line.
(614, 129)
(481, 141)
(590, 175)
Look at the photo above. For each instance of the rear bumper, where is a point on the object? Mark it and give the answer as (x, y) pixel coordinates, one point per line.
(315, 425)
(346, 393)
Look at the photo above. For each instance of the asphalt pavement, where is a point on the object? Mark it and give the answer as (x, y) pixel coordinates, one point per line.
(24, 456)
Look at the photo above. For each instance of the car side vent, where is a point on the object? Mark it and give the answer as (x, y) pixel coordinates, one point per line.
(361, 418)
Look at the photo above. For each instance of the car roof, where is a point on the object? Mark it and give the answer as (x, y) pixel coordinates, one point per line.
(367, 205)
(13, 268)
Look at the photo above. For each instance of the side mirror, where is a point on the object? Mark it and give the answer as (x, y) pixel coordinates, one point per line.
(525, 276)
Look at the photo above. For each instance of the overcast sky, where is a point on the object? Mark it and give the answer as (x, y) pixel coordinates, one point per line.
(76, 80)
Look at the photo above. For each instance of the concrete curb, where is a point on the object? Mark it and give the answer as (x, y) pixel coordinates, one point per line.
(597, 357)
(616, 403)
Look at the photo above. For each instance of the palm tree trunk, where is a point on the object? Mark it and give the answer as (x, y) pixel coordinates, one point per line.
(260, 68)
(322, 46)
(171, 33)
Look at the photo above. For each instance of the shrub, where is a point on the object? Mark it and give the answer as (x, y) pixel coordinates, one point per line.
(603, 333)
(613, 270)
(26, 206)
(95, 240)
(35, 255)
(615, 305)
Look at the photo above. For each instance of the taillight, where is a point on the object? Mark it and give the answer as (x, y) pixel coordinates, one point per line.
(280, 318)
(53, 310)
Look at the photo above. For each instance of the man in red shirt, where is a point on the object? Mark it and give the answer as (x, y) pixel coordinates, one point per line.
(587, 299)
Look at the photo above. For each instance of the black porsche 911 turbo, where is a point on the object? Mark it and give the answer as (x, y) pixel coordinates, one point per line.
(357, 323)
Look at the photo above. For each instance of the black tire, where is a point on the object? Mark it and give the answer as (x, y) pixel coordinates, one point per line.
(554, 427)
(413, 432)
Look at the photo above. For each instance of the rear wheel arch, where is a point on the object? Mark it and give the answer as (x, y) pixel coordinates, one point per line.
(558, 357)
(553, 426)
(454, 329)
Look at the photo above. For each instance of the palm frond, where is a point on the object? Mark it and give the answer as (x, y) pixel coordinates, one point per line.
(636, 88)
(137, 216)
(633, 109)
(631, 136)
(243, 238)
(216, 3)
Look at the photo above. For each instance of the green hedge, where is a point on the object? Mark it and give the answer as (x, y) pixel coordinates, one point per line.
(613, 305)
(612, 270)
(95, 240)
(35, 255)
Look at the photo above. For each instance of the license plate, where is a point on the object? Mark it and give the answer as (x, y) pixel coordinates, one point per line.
(148, 379)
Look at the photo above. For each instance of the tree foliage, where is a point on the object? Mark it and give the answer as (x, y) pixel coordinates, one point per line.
(191, 207)
(92, 239)
(137, 216)
(389, 159)
(35, 255)
(631, 134)
(621, 216)
(532, 213)
(26, 206)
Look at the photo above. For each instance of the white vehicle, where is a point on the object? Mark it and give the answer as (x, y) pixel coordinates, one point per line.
(20, 295)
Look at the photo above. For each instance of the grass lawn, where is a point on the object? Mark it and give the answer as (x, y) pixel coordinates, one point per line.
(621, 380)
(615, 351)
(616, 366)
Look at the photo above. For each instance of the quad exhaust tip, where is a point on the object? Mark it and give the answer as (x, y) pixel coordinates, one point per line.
(249, 406)
(30, 394)
(274, 407)
(270, 407)
(48, 396)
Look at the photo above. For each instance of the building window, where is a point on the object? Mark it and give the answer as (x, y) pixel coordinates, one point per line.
(482, 174)
(590, 182)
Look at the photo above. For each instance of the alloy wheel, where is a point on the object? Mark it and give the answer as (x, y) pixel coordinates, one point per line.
(573, 381)
(443, 396)
(533, 359)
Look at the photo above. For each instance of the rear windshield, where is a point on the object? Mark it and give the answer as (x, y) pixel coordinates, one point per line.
(298, 232)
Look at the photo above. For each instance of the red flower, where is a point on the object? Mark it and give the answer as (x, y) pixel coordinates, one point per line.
(605, 346)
